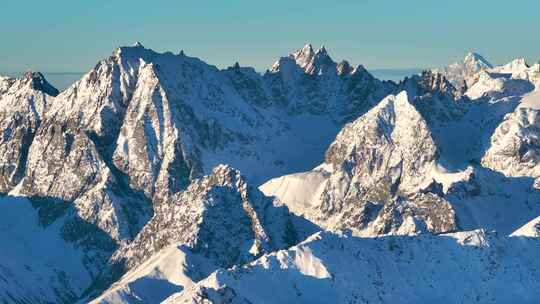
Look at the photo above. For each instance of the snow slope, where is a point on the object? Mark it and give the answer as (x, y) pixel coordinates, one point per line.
(170, 270)
(531, 100)
(37, 264)
(463, 267)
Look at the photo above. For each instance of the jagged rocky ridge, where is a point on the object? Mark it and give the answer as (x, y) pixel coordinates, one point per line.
(122, 165)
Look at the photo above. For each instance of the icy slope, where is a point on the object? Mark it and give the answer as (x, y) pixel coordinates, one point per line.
(461, 267)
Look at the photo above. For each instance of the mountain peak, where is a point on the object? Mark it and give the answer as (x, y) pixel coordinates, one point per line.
(138, 44)
(38, 82)
(313, 62)
(322, 51)
(475, 59)
(307, 49)
(464, 74)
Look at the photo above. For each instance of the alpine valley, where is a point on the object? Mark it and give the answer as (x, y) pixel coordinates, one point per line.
(157, 177)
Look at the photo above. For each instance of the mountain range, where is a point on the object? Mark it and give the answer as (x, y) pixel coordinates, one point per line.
(157, 177)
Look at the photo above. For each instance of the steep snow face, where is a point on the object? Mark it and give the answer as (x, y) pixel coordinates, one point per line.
(37, 265)
(372, 178)
(531, 100)
(463, 74)
(327, 268)
(483, 198)
(515, 145)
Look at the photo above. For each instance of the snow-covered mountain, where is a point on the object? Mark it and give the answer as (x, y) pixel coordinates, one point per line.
(415, 158)
(104, 156)
(374, 176)
(125, 180)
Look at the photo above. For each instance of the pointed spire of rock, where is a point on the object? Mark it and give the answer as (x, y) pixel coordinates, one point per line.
(313, 62)
(307, 49)
(322, 51)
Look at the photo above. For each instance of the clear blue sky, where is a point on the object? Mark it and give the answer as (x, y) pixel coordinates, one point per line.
(72, 35)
